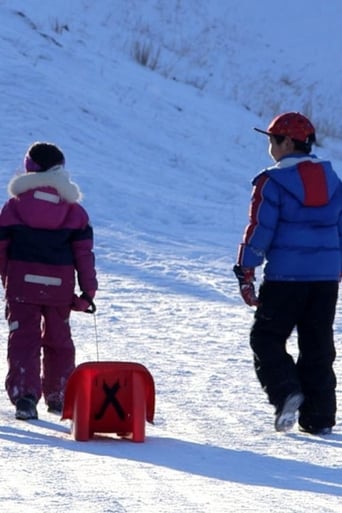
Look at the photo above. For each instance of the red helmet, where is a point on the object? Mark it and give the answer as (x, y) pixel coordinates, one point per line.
(291, 124)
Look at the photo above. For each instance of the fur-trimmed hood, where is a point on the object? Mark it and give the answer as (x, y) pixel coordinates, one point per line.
(56, 177)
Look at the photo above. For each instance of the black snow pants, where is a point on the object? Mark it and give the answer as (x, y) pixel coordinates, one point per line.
(309, 307)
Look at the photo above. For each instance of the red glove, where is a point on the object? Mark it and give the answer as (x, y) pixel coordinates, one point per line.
(246, 277)
(84, 302)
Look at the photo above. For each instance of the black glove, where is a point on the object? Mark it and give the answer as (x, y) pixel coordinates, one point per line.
(246, 277)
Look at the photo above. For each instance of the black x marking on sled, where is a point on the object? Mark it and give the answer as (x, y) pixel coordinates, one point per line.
(110, 393)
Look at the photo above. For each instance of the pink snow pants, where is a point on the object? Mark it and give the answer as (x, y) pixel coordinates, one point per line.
(41, 353)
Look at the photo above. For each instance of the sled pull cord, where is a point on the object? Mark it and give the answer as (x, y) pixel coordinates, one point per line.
(96, 338)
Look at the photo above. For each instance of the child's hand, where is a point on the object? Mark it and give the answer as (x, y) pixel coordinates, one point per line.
(84, 303)
(245, 276)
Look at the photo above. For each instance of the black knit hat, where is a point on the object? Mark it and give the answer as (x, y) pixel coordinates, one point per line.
(41, 156)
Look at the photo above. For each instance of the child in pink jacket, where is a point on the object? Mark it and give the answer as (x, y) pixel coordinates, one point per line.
(46, 242)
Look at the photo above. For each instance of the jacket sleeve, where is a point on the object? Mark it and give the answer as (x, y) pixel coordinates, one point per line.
(263, 219)
(4, 242)
(340, 238)
(84, 259)
(5, 218)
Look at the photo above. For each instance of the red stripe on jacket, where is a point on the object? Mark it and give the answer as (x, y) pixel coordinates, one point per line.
(314, 183)
(256, 202)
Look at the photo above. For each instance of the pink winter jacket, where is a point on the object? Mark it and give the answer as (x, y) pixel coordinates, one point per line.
(45, 240)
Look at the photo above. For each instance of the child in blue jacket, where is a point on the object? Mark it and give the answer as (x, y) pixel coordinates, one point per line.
(295, 229)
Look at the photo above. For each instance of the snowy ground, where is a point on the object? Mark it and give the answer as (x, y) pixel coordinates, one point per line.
(165, 160)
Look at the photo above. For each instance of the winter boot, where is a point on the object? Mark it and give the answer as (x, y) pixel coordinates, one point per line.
(286, 416)
(25, 408)
(55, 407)
(319, 431)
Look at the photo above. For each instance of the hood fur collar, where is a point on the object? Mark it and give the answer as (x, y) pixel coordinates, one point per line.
(55, 177)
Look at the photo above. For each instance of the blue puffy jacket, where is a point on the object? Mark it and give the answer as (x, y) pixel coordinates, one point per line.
(295, 221)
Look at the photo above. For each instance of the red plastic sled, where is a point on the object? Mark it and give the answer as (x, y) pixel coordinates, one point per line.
(109, 397)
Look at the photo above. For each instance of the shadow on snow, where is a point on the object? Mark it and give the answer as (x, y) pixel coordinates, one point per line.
(244, 467)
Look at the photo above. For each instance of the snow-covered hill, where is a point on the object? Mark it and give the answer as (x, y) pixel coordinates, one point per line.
(164, 154)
